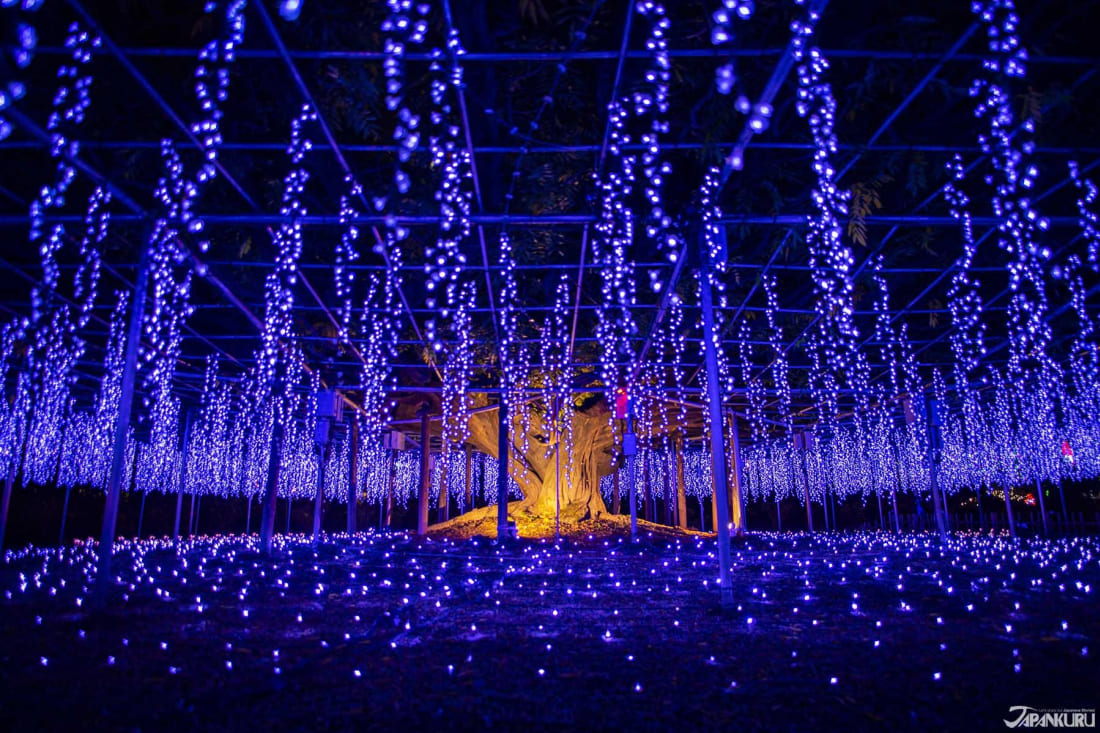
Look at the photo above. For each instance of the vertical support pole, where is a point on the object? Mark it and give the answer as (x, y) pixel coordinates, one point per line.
(469, 504)
(935, 446)
(714, 405)
(681, 494)
(444, 503)
(881, 518)
(319, 499)
(616, 502)
(702, 515)
(191, 517)
(267, 522)
(630, 450)
(185, 444)
(801, 443)
(894, 494)
(737, 507)
(646, 483)
(353, 476)
(713, 509)
(141, 513)
(1042, 507)
(666, 488)
(1009, 513)
(502, 467)
(389, 488)
(1065, 511)
(5, 503)
(557, 485)
(778, 515)
(425, 471)
(122, 428)
(64, 517)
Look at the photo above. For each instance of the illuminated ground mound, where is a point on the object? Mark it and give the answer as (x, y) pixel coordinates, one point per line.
(860, 631)
(534, 525)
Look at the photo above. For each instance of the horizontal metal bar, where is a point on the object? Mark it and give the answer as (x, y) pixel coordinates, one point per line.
(563, 55)
(535, 220)
(280, 148)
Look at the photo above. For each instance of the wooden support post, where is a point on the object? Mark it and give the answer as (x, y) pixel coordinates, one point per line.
(425, 471)
(737, 507)
(681, 495)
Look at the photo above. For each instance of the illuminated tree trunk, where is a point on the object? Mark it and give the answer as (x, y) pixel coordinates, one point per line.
(535, 470)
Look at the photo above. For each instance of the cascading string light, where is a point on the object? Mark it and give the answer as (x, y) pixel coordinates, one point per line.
(831, 260)
(515, 357)
(17, 17)
(1089, 220)
(616, 220)
(557, 376)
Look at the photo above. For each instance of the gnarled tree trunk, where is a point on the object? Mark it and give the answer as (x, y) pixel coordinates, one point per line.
(534, 469)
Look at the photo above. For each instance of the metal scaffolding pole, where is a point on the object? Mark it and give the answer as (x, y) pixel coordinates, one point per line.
(717, 438)
(271, 488)
(122, 429)
(502, 470)
(353, 475)
(425, 470)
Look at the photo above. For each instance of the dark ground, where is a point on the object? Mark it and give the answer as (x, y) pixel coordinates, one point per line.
(383, 633)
